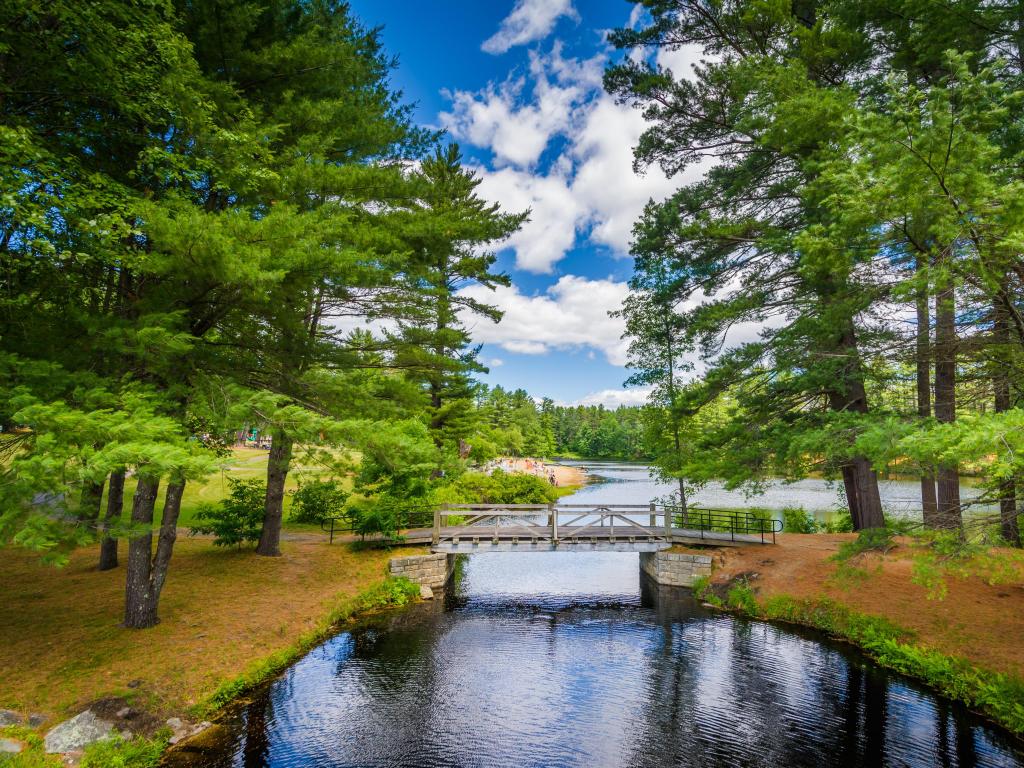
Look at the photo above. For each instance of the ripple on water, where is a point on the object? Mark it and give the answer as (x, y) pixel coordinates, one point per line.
(565, 660)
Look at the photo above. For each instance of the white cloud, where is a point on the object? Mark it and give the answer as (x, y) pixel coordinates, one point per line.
(613, 398)
(554, 216)
(529, 20)
(589, 189)
(571, 314)
(495, 362)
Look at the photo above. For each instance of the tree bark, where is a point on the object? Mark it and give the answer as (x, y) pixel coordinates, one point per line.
(138, 613)
(859, 478)
(929, 503)
(92, 498)
(115, 506)
(148, 572)
(948, 476)
(1008, 525)
(277, 473)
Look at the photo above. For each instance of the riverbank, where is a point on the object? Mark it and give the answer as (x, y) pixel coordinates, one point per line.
(966, 644)
(564, 476)
(229, 619)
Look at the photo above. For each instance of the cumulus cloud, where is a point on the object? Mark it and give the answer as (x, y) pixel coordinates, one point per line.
(613, 398)
(571, 315)
(588, 188)
(529, 20)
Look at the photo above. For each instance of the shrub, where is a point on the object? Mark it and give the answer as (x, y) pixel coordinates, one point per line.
(799, 520)
(841, 522)
(497, 488)
(868, 540)
(318, 500)
(236, 519)
(119, 752)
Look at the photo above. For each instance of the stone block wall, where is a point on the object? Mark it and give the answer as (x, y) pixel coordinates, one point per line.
(675, 569)
(429, 570)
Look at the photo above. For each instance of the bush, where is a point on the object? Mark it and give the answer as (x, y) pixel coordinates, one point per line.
(841, 522)
(799, 520)
(236, 519)
(497, 488)
(316, 501)
(868, 540)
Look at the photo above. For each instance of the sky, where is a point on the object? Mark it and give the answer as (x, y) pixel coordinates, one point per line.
(517, 83)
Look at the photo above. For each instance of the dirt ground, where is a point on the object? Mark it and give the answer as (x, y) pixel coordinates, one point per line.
(977, 621)
(61, 647)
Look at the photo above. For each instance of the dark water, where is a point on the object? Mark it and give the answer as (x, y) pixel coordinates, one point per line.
(568, 659)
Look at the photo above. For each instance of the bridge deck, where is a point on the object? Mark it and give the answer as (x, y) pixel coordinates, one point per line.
(515, 538)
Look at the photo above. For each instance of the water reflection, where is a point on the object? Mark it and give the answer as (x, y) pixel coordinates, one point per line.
(561, 659)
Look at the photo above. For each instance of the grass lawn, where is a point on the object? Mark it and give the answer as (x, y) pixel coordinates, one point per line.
(243, 464)
(222, 612)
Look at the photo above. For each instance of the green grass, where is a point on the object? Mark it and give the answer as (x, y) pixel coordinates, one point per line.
(243, 464)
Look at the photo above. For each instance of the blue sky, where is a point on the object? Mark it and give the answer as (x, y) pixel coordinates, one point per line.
(518, 84)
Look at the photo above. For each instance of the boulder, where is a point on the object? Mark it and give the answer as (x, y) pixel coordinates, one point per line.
(426, 593)
(10, 746)
(77, 733)
(7, 717)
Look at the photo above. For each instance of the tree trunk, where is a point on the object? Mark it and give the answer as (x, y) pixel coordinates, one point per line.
(948, 476)
(139, 610)
(148, 572)
(859, 478)
(92, 498)
(277, 473)
(115, 506)
(1008, 526)
(929, 504)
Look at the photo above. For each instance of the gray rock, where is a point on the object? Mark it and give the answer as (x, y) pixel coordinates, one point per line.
(77, 733)
(175, 723)
(7, 717)
(35, 720)
(426, 593)
(10, 746)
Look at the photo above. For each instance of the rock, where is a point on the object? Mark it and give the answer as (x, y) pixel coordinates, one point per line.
(8, 717)
(77, 733)
(426, 593)
(10, 747)
(134, 683)
(35, 720)
(125, 713)
(175, 723)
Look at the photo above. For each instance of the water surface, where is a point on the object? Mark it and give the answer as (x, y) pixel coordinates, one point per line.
(571, 659)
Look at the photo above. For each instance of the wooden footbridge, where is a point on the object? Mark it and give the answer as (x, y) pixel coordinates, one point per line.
(472, 528)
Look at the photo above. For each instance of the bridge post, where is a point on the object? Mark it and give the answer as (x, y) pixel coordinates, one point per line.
(668, 523)
(435, 537)
(553, 517)
(653, 523)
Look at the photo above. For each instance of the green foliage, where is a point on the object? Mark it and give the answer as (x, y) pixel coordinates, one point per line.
(317, 500)
(868, 540)
(497, 488)
(943, 554)
(701, 588)
(118, 752)
(799, 520)
(237, 518)
(840, 522)
(741, 597)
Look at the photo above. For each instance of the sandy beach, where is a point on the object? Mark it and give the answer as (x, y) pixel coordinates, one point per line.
(564, 476)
